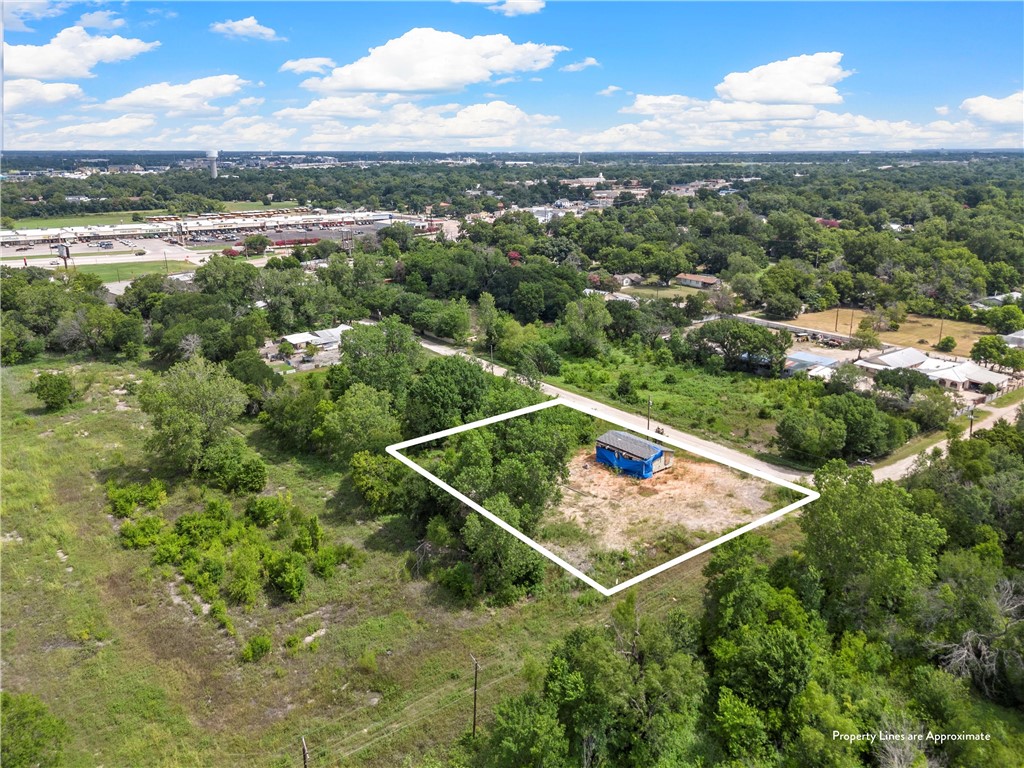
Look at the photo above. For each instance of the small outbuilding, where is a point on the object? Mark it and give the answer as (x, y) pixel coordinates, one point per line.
(633, 455)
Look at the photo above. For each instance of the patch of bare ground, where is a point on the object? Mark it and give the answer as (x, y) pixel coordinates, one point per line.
(621, 513)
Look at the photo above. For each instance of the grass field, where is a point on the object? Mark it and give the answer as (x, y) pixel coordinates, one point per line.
(736, 409)
(1010, 398)
(654, 292)
(910, 334)
(94, 629)
(125, 217)
(110, 273)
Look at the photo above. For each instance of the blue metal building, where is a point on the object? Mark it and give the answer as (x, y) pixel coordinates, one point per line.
(632, 455)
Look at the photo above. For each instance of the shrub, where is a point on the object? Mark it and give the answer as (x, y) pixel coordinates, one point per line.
(988, 388)
(267, 510)
(55, 390)
(126, 499)
(946, 344)
(257, 647)
(234, 467)
(144, 532)
(458, 579)
(29, 734)
(219, 612)
(288, 574)
(367, 662)
(324, 561)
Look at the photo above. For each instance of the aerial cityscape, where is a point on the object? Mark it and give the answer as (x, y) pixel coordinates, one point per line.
(512, 383)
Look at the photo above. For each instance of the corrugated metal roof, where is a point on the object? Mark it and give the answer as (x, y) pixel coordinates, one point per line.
(630, 444)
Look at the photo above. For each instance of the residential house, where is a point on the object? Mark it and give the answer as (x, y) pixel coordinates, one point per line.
(696, 281)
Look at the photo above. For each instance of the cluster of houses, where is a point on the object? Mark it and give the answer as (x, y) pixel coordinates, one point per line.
(324, 340)
(963, 377)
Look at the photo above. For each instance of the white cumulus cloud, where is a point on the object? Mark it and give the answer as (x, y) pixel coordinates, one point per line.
(509, 7)
(100, 20)
(494, 124)
(609, 90)
(180, 98)
(359, 106)
(247, 27)
(943, 110)
(237, 133)
(517, 7)
(806, 79)
(72, 53)
(17, 13)
(318, 64)
(425, 59)
(1006, 110)
(20, 92)
(579, 66)
(118, 126)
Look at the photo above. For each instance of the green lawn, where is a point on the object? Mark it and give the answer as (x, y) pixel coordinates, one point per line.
(110, 273)
(90, 252)
(141, 680)
(656, 292)
(1010, 398)
(83, 220)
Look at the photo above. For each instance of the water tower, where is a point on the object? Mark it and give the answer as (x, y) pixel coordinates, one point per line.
(212, 156)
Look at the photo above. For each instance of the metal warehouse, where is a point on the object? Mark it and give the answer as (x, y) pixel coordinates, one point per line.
(633, 455)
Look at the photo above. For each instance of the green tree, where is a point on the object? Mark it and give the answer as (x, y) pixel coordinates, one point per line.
(867, 542)
(526, 734)
(510, 568)
(583, 322)
(810, 436)
(446, 394)
(990, 350)
(191, 406)
(865, 337)
(362, 420)
(256, 245)
(17, 343)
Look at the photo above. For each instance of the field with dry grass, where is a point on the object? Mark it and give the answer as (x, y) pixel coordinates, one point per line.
(916, 331)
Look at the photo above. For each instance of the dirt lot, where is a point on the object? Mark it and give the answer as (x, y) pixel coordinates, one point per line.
(624, 513)
(910, 334)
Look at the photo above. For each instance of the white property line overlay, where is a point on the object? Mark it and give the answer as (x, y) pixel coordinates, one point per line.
(395, 451)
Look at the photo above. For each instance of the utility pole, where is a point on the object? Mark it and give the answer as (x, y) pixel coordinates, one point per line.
(649, 404)
(305, 754)
(167, 268)
(476, 675)
(970, 415)
(836, 329)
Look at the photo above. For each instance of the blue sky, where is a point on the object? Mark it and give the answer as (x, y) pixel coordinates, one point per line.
(512, 75)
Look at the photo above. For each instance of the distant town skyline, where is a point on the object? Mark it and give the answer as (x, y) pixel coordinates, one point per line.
(505, 75)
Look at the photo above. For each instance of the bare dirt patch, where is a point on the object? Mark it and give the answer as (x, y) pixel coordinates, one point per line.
(622, 513)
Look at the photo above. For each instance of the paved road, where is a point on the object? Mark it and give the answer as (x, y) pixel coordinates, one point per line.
(903, 466)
